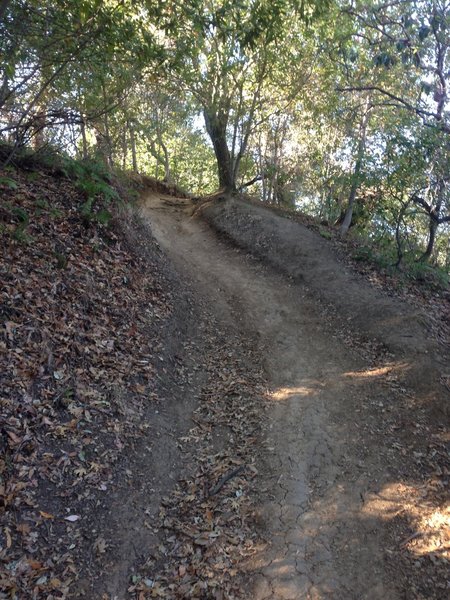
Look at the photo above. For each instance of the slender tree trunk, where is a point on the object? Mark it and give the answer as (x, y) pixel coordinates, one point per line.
(83, 138)
(107, 141)
(398, 238)
(351, 199)
(261, 163)
(124, 148)
(356, 172)
(163, 158)
(133, 147)
(38, 130)
(434, 223)
(105, 138)
(167, 173)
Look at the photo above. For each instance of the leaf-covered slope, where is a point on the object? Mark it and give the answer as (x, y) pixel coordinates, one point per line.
(78, 309)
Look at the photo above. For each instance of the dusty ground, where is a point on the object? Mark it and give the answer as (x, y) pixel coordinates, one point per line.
(351, 492)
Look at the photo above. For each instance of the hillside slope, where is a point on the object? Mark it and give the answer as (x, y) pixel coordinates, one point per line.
(89, 314)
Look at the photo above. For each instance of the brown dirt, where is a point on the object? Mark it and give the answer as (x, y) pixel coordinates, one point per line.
(351, 496)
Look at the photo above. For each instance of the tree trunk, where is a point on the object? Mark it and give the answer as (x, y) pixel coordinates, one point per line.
(124, 149)
(351, 199)
(133, 147)
(162, 159)
(217, 130)
(107, 141)
(104, 139)
(357, 171)
(39, 124)
(83, 138)
(167, 173)
(431, 239)
(434, 222)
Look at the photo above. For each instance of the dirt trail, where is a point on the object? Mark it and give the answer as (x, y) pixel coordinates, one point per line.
(326, 487)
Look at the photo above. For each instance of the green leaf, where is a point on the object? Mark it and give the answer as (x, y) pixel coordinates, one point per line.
(8, 182)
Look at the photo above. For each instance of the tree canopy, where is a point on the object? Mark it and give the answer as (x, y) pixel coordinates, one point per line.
(339, 108)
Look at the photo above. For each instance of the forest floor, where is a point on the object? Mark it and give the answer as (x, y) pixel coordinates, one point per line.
(183, 418)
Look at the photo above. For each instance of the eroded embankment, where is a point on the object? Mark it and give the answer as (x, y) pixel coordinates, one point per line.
(307, 258)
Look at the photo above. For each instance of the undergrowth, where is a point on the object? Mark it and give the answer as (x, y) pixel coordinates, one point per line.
(410, 270)
(94, 180)
(104, 190)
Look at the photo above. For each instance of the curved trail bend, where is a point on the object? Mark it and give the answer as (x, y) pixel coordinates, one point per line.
(323, 485)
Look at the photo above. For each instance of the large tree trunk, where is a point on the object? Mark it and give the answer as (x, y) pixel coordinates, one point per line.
(217, 130)
(431, 239)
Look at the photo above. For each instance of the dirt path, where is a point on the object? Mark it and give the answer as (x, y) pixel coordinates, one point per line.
(326, 490)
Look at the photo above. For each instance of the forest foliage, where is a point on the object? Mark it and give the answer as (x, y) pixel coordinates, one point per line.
(337, 108)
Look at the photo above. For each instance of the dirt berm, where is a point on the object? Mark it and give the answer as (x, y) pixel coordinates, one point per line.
(309, 259)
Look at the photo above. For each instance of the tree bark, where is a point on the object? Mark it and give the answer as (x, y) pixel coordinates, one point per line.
(434, 222)
(167, 173)
(83, 137)
(357, 172)
(217, 130)
(133, 147)
(124, 149)
(431, 239)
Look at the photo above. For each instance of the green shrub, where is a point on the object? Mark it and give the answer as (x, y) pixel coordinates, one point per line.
(94, 181)
(20, 233)
(434, 277)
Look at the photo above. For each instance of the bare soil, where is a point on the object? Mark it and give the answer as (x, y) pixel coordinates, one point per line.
(351, 497)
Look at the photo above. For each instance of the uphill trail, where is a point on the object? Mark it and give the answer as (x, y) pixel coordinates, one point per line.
(326, 490)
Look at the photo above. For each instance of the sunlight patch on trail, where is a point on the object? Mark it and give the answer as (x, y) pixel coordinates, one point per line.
(377, 371)
(288, 392)
(429, 526)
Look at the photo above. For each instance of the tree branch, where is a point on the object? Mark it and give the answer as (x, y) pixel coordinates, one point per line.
(422, 113)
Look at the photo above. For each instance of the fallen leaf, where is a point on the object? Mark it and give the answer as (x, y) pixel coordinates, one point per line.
(72, 518)
(46, 515)
(23, 528)
(100, 545)
(8, 537)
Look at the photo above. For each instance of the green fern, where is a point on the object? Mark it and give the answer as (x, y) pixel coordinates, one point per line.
(93, 180)
(9, 183)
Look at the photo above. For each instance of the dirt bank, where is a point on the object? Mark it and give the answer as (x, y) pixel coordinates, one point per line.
(309, 260)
